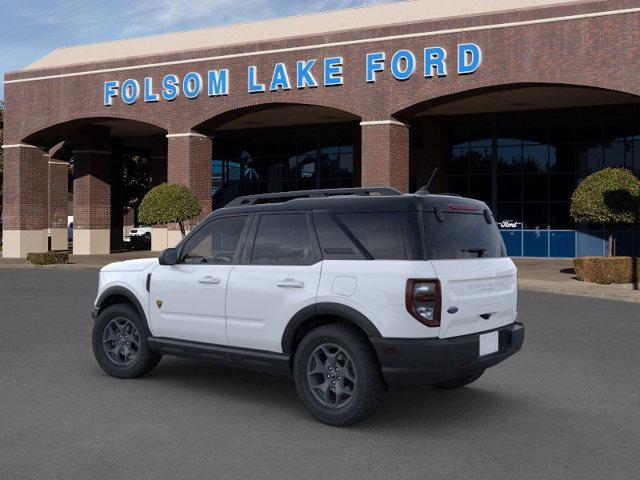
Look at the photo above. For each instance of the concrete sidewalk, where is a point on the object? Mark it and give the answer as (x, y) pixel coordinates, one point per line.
(556, 275)
(535, 274)
(83, 261)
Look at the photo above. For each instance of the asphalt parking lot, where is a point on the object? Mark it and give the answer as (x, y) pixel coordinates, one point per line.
(565, 407)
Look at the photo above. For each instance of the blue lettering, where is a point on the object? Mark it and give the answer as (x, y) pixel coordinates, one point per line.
(130, 91)
(333, 71)
(170, 87)
(434, 58)
(403, 64)
(304, 77)
(218, 82)
(192, 85)
(110, 92)
(469, 58)
(254, 87)
(280, 78)
(149, 96)
(375, 63)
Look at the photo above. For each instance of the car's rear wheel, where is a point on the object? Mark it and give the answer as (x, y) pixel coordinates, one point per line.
(460, 382)
(120, 344)
(337, 375)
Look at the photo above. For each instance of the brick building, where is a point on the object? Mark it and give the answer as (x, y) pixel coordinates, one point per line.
(513, 101)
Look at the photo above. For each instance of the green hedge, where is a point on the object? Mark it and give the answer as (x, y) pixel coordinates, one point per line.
(611, 195)
(48, 258)
(607, 270)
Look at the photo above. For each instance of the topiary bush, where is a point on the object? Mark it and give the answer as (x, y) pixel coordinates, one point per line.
(607, 270)
(169, 203)
(48, 258)
(611, 195)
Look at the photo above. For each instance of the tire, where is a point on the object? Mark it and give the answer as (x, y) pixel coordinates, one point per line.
(459, 382)
(359, 382)
(135, 357)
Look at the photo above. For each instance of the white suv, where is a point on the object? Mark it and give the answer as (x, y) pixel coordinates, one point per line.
(348, 291)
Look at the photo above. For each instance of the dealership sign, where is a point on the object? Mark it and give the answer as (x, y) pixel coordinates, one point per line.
(308, 73)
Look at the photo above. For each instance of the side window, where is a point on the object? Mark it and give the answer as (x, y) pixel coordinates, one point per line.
(283, 239)
(335, 244)
(379, 232)
(216, 243)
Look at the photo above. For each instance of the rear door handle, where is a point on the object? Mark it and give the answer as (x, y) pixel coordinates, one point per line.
(209, 280)
(290, 283)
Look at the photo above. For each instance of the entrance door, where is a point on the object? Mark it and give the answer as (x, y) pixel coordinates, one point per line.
(188, 299)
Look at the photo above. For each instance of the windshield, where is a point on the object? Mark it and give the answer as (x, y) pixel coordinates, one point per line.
(462, 235)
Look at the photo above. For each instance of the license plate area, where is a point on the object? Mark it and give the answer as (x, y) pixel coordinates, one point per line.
(489, 343)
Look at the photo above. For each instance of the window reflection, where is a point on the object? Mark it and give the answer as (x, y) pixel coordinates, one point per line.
(538, 159)
(260, 161)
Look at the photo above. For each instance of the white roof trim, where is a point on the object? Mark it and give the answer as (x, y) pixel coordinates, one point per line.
(287, 27)
(334, 44)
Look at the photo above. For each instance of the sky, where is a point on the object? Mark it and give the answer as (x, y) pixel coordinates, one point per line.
(29, 29)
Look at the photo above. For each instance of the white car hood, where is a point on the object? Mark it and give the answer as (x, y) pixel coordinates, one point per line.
(130, 265)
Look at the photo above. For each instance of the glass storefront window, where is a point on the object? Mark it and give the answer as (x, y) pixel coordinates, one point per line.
(535, 158)
(510, 159)
(618, 154)
(538, 158)
(272, 160)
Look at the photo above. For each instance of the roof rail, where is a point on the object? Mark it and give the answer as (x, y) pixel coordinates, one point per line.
(331, 192)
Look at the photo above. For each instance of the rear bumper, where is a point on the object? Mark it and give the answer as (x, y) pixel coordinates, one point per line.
(415, 363)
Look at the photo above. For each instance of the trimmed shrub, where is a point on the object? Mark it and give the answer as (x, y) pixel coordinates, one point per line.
(607, 270)
(611, 195)
(169, 203)
(48, 258)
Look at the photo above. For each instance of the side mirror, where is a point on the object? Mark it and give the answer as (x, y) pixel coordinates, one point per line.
(168, 257)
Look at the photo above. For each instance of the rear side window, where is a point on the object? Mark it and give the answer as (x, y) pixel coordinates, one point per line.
(379, 232)
(283, 239)
(334, 242)
(462, 235)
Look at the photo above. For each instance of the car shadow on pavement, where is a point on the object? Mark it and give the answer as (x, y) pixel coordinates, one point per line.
(401, 411)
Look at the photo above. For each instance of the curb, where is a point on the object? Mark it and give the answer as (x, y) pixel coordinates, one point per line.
(64, 266)
(536, 286)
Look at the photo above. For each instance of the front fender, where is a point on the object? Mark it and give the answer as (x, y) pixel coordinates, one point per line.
(126, 291)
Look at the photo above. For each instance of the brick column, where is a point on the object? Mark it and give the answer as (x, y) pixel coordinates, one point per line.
(189, 164)
(159, 233)
(385, 154)
(158, 160)
(25, 211)
(91, 191)
(58, 191)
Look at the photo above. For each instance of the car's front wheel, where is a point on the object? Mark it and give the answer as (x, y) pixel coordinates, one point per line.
(120, 344)
(337, 375)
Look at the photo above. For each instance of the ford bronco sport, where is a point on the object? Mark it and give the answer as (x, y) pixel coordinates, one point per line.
(349, 291)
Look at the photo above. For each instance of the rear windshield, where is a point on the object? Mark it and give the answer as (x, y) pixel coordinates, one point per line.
(462, 235)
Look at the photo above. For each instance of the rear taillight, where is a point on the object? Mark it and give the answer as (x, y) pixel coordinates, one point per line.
(423, 301)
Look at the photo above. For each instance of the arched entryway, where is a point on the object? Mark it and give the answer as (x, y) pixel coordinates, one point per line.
(282, 147)
(92, 172)
(523, 149)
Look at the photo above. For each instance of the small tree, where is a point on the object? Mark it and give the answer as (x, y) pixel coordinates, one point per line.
(169, 203)
(611, 195)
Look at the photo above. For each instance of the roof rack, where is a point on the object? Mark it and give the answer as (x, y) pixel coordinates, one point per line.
(331, 192)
